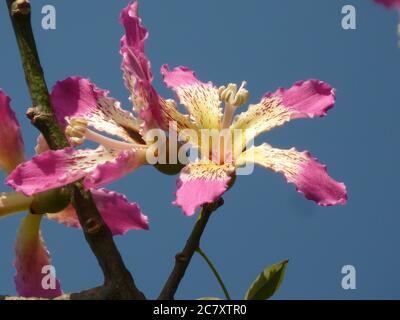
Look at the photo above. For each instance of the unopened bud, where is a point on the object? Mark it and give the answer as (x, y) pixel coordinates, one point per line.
(52, 201)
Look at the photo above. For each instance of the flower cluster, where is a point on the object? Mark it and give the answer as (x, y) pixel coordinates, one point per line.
(86, 112)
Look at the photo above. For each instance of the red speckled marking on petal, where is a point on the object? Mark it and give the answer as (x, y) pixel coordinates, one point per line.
(199, 184)
(300, 168)
(53, 169)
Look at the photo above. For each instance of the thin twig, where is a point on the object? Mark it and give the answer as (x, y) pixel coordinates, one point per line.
(182, 259)
(118, 282)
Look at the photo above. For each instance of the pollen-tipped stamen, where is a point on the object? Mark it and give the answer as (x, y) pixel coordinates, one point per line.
(77, 130)
(233, 99)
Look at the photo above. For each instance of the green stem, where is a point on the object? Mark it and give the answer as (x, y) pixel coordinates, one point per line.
(215, 272)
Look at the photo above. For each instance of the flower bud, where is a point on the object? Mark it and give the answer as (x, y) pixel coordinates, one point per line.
(52, 201)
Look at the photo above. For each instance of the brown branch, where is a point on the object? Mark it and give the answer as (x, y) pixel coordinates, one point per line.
(182, 259)
(118, 282)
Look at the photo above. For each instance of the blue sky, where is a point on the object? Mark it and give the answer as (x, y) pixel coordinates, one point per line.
(270, 44)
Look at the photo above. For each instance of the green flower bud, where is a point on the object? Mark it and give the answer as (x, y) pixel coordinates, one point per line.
(169, 169)
(52, 201)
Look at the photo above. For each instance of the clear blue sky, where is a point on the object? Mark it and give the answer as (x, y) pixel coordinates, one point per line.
(270, 44)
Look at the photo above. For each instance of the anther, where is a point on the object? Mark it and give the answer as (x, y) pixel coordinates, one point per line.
(76, 130)
(242, 95)
(233, 99)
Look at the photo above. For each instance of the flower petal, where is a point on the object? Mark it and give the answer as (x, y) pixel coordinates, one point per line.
(300, 168)
(78, 97)
(31, 256)
(11, 143)
(171, 114)
(53, 169)
(137, 69)
(41, 145)
(390, 4)
(67, 217)
(199, 184)
(119, 214)
(305, 99)
(200, 99)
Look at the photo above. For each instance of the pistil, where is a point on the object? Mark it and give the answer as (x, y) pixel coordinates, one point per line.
(233, 99)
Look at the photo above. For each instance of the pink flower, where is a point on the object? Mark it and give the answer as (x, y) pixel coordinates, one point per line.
(200, 182)
(31, 252)
(205, 182)
(12, 148)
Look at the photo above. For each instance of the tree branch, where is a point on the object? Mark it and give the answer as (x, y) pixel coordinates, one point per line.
(182, 259)
(118, 282)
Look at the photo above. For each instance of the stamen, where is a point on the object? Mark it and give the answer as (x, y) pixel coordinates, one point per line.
(13, 202)
(77, 130)
(233, 99)
(108, 142)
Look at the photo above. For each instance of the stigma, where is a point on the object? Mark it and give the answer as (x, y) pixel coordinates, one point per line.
(233, 98)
